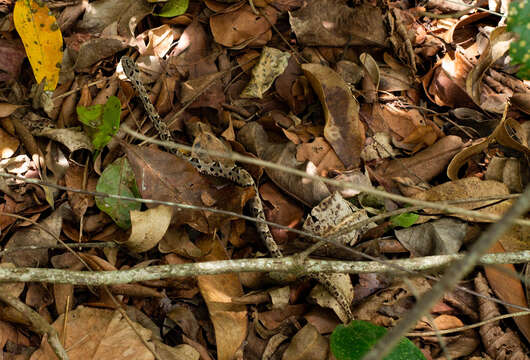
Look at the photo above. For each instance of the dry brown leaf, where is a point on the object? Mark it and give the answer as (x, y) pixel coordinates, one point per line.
(75, 178)
(35, 236)
(424, 165)
(469, 188)
(254, 138)
(307, 344)
(9, 144)
(321, 155)
(7, 109)
(162, 176)
(148, 227)
(281, 210)
(508, 288)
(177, 240)
(229, 319)
(242, 27)
(97, 334)
(343, 129)
(332, 23)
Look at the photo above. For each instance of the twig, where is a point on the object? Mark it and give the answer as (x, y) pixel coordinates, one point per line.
(40, 325)
(285, 264)
(287, 228)
(107, 244)
(456, 272)
(467, 327)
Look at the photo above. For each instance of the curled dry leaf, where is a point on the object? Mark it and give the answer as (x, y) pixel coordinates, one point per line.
(343, 129)
(508, 133)
(498, 342)
(148, 227)
(499, 43)
(424, 165)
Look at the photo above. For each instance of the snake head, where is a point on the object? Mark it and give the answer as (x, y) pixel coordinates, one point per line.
(129, 67)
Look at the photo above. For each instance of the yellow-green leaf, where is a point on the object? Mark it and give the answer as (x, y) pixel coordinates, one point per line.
(42, 40)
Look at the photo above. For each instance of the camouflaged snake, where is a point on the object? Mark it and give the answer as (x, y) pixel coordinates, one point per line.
(233, 173)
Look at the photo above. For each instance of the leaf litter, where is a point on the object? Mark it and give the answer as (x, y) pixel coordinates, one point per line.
(383, 95)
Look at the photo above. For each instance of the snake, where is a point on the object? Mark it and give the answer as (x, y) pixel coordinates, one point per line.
(233, 173)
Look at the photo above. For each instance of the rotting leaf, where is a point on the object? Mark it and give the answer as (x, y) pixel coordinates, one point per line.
(343, 129)
(272, 64)
(104, 121)
(42, 40)
(118, 179)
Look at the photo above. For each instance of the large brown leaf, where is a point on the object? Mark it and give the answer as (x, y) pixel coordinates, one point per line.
(162, 176)
(343, 129)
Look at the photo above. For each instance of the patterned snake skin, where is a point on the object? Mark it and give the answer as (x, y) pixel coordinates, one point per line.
(234, 173)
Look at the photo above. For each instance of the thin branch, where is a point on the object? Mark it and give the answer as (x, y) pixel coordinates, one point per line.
(40, 325)
(455, 272)
(88, 245)
(467, 327)
(349, 227)
(442, 206)
(286, 264)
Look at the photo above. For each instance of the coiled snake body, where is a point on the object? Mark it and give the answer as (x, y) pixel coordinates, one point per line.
(234, 173)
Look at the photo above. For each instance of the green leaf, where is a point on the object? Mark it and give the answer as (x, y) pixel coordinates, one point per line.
(404, 220)
(174, 8)
(103, 121)
(118, 179)
(353, 341)
(517, 22)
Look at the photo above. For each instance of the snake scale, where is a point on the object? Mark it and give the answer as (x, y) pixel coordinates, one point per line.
(234, 173)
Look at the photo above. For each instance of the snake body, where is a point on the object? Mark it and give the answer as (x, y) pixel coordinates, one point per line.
(234, 173)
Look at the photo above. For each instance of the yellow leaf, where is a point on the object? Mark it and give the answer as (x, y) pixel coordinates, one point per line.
(42, 40)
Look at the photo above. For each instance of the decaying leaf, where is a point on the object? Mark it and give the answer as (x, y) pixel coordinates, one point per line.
(440, 237)
(271, 64)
